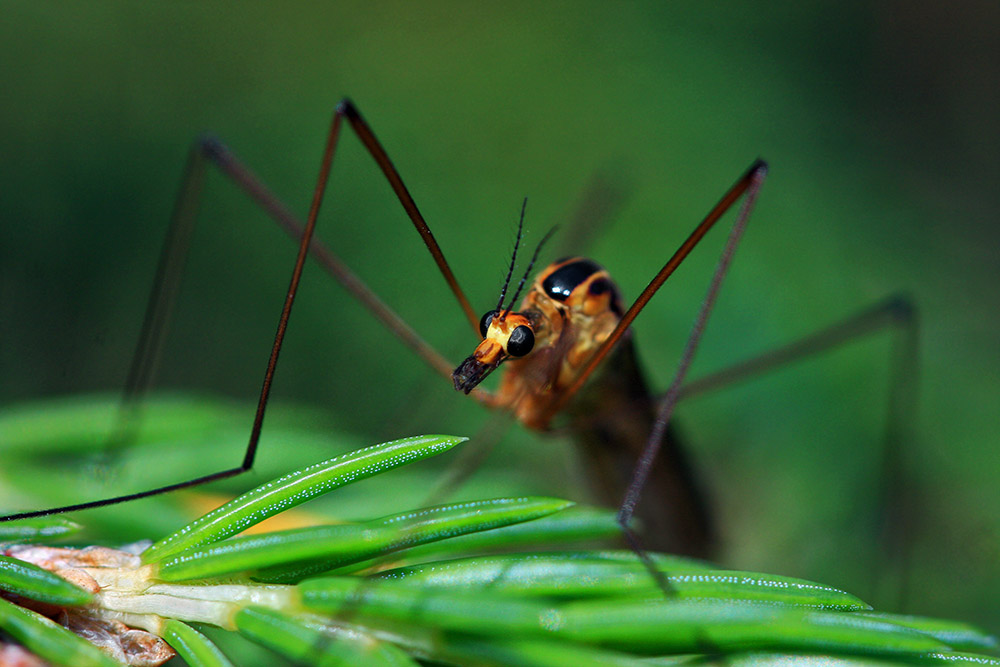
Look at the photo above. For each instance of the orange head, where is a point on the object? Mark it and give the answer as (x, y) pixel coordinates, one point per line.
(505, 335)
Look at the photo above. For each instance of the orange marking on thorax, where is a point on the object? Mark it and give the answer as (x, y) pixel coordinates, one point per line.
(567, 332)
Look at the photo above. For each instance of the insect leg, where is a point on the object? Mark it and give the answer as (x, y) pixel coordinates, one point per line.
(892, 525)
(896, 312)
(596, 205)
(159, 306)
(751, 182)
(247, 181)
(172, 262)
(749, 185)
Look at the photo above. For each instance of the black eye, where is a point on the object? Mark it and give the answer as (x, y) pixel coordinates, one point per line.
(521, 340)
(484, 323)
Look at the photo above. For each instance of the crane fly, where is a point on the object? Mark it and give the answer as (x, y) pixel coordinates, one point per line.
(565, 350)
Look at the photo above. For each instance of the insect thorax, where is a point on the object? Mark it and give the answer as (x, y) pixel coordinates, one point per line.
(573, 306)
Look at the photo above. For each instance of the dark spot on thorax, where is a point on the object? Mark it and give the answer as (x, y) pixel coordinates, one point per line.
(560, 283)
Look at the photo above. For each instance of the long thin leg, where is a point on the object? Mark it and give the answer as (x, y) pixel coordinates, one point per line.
(159, 306)
(751, 184)
(594, 207)
(171, 266)
(230, 165)
(182, 222)
(892, 525)
(898, 496)
(895, 312)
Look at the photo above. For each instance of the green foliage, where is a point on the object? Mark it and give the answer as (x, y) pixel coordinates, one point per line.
(292, 554)
(410, 586)
(880, 127)
(295, 488)
(194, 647)
(21, 578)
(48, 640)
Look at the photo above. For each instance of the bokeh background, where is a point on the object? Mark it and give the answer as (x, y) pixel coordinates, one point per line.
(878, 120)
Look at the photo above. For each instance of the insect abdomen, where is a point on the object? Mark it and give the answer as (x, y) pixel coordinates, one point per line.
(611, 420)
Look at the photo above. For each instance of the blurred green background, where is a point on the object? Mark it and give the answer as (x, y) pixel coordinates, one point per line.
(878, 120)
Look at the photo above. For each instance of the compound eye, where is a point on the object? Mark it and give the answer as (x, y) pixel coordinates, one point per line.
(484, 324)
(521, 340)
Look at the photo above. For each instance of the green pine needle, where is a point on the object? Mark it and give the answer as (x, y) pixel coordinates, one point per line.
(487, 582)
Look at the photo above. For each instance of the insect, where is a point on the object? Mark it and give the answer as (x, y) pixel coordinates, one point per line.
(571, 327)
